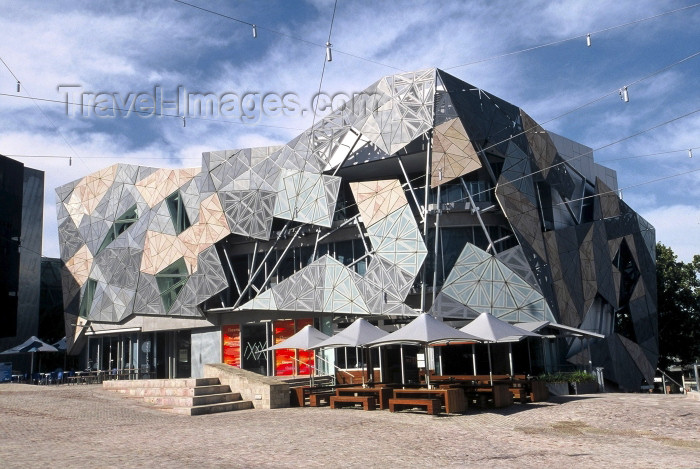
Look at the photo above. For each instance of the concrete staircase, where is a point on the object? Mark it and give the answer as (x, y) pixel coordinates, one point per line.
(189, 396)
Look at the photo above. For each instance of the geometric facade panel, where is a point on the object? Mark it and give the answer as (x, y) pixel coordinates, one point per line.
(453, 153)
(484, 284)
(307, 197)
(397, 239)
(377, 199)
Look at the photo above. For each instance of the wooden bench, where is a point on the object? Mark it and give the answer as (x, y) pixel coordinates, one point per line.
(520, 394)
(368, 402)
(432, 406)
(530, 391)
(320, 398)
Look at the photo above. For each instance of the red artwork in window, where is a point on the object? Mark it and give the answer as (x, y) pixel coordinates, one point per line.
(290, 362)
(284, 358)
(306, 357)
(231, 340)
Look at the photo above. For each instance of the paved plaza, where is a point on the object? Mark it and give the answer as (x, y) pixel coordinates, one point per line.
(86, 426)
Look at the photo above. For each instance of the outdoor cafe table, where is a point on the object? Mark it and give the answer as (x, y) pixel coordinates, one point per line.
(382, 394)
(452, 398)
(499, 394)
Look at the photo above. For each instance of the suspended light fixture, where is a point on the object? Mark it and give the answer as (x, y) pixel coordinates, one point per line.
(184, 121)
(624, 95)
(690, 152)
(329, 55)
(255, 31)
(70, 161)
(18, 87)
(588, 40)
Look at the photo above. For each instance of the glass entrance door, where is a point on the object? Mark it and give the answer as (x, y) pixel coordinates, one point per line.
(253, 341)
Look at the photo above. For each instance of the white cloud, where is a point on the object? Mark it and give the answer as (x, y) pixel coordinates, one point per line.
(677, 226)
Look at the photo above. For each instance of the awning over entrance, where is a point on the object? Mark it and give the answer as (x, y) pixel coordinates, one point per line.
(557, 330)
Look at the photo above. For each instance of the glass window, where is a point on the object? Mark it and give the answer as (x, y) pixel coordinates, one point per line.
(479, 190)
(343, 252)
(177, 212)
(170, 282)
(88, 295)
(359, 251)
(120, 225)
(305, 256)
(452, 193)
(286, 267)
(321, 250)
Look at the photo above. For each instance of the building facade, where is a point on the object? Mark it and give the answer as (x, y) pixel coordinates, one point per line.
(423, 193)
(21, 224)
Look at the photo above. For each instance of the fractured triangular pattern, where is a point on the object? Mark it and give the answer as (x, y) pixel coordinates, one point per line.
(484, 284)
(377, 199)
(303, 197)
(453, 153)
(398, 240)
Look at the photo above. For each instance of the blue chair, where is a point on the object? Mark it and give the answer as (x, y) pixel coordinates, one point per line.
(56, 377)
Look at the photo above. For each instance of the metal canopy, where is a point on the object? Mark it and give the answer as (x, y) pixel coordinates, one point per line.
(537, 326)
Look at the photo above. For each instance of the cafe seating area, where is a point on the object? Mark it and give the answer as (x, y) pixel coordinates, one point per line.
(449, 394)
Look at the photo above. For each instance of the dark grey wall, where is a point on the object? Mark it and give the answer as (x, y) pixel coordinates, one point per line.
(21, 224)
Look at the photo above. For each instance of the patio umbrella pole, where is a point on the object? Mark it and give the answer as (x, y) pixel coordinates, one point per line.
(370, 365)
(488, 345)
(427, 368)
(510, 358)
(474, 359)
(403, 376)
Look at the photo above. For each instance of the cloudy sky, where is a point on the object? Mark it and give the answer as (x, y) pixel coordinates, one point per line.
(139, 54)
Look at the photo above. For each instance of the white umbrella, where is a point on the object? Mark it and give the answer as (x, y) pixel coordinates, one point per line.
(305, 339)
(61, 344)
(356, 334)
(491, 329)
(31, 345)
(424, 330)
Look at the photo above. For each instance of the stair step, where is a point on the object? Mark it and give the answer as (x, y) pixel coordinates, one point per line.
(211, 389)
(158, 383)
(175, 392)
(211, 408)
(190, 401)
(189, 396)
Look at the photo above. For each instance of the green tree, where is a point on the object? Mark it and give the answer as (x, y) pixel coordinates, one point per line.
(679, 308)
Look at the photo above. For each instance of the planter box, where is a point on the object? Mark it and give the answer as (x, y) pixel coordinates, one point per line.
(585, 388)
(558, 389)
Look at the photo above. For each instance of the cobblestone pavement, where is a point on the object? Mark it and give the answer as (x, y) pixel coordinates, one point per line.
(86, 426)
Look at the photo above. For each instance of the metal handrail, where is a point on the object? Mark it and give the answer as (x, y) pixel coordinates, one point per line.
(667, 376)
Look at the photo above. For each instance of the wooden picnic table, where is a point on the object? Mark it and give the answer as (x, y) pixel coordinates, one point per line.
(498, 395)
(381, 394)
(299, 394)
(451, 398)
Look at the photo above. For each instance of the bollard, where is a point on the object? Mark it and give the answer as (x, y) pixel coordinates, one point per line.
(601, 380)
